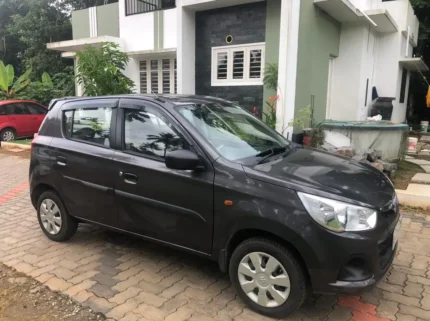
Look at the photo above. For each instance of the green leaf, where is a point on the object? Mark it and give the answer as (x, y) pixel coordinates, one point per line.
(22, 81)
(46, 79)
(3, 78)
(10, 74)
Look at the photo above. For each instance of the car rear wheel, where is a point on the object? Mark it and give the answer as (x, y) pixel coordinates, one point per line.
(268, 277)
(7, 135)
(53, 218)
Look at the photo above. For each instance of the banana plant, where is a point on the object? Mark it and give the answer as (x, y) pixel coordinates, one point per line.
(9, 87)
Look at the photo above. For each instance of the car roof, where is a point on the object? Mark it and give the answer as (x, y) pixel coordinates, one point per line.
(14, 101)
(175, 99)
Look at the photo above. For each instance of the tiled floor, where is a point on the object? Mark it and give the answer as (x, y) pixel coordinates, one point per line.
(129, 279)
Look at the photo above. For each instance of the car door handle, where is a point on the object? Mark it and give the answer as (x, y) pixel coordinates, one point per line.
(130, 178)
(62, 161)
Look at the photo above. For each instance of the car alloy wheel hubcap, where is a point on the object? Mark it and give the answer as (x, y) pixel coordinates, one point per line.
(8, 136)
(50, 216)
(264, 279)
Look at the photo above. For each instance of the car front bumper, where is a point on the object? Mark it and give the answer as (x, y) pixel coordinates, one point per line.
(351, 262)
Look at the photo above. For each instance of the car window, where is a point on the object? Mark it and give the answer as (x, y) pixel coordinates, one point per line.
(149, 133)
(90, 125)
(3, 111)
(36, 109)
(17, 109)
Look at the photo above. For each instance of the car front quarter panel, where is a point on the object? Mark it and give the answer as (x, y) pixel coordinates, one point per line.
(261, 207)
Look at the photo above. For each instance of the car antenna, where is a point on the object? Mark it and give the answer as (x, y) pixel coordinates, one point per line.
(157, 97)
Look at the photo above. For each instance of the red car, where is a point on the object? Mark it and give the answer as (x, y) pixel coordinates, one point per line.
(20, 118)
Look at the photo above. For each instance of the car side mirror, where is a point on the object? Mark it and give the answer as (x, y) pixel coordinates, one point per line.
(182, 159)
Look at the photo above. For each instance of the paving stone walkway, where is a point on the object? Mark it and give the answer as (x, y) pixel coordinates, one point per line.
(128, 279)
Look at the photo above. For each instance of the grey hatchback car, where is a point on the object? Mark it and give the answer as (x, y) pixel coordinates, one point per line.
(203, 175)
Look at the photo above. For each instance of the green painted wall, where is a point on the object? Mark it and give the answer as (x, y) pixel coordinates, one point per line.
(108, 20)
(272, 38)
(81, 24)
(319, 38)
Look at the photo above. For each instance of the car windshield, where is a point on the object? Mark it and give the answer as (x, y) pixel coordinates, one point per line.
(233, 132)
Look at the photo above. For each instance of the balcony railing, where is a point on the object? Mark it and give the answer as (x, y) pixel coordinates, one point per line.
(142, 6)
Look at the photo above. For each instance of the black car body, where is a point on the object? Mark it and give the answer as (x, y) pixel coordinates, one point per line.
(215, 206)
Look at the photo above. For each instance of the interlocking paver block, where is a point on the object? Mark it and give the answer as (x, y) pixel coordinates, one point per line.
(137, 280)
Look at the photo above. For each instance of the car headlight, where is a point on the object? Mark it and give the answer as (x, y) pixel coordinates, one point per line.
(339, 216)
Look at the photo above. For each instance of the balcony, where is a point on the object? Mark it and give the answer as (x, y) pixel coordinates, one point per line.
(96, 22)
(142, 6)
(344, 11)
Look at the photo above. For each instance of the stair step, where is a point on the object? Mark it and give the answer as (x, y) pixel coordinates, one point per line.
(419, 189)
(421, 178)
(411, 199)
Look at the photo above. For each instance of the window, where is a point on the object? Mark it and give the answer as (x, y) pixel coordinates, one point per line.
(158, 76)
(149, 133)
(403, 85)
(36, 109)
(240, 65)
(17, 109)
(3, 111)
(142, 6)
(232, 131)
(91, 125)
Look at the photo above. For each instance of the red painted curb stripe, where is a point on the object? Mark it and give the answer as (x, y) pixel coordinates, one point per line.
(12, 193)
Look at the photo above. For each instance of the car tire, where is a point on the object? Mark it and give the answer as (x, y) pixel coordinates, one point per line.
(9, 133)
(53, 218)
(287, 271)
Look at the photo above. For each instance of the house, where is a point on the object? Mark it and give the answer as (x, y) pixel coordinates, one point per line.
(330, 53)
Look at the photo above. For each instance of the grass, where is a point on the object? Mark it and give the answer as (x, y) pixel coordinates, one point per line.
(404, 174)
(21, 141)
(415, 210)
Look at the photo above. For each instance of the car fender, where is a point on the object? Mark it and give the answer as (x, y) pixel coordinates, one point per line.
(7, 124)
(257, 226)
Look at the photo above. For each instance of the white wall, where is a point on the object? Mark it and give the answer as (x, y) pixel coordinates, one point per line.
(398, 10)
(170, 28)
(347, 70)
(136, 30)
(186, 55)
(132, 71)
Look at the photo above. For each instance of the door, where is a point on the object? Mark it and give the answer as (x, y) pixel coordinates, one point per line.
(37, 115)
(19, 117)
(82, 160)
(172, 206)
(4, 118)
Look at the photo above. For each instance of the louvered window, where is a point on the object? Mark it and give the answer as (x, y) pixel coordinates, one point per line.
(158, 76)
(240, 65)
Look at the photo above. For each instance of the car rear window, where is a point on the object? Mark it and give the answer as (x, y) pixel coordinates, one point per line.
(88, 125)
(3, 111)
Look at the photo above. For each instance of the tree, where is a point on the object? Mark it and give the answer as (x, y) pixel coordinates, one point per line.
(100, 70)
(45, 21)
(83, 4)
(9, 43)
(9, 87)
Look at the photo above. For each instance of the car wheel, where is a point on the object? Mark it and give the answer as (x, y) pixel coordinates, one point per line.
(268, 277)
(7, 135)
(53, 218)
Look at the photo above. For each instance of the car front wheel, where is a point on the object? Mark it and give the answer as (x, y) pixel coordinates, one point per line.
(268, 277)
(53, 218)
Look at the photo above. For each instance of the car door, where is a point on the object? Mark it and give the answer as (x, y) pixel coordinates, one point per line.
(168, 205)
(4, 117)
(82, 159)
(19, 117)
(37, 115)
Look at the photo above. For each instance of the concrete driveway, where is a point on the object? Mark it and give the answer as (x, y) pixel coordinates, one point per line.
(129, 279)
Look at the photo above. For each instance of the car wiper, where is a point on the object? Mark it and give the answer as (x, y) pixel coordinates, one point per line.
(271, 152)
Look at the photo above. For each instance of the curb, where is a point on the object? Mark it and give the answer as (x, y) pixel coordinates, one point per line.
(6, 145)
(412, 199)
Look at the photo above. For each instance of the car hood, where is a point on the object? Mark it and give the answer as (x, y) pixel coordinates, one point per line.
(328, 175)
